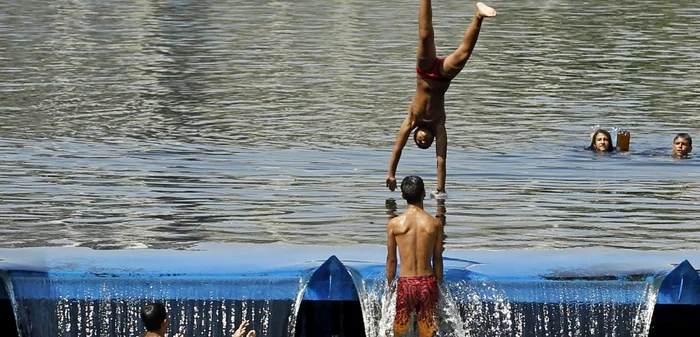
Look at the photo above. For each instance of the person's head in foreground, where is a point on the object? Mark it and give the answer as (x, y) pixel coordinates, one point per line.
(423, 137)
(412, 189)
(155, 318)
(601, 141)
(682, 145)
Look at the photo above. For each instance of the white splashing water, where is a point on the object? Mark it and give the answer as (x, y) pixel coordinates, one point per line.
(450, 322)
(378, 304)
(483, 308)
(265, 319)
(486, 310)
(467, 308)
(379, 310)
(556, 309)
(303, 282)
(108, 316)
(642, 322)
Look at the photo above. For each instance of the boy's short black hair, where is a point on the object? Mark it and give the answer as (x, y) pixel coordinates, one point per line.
(412, 188)
(153, 315)
(426, 130)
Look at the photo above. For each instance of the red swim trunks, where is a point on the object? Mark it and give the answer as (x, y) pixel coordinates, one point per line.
(434, 72)
(417, 294)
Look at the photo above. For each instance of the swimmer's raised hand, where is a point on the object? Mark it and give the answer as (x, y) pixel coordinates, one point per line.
(241, 330)
(391, 183)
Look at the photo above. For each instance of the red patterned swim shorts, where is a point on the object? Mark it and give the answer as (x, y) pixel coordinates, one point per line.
(417, 294)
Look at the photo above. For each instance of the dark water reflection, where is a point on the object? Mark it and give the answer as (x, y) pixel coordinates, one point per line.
(165, 124)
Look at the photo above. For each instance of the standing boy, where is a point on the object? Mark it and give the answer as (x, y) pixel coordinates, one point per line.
(419, 239)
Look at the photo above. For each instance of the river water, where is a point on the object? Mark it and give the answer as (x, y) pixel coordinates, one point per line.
(165, 124)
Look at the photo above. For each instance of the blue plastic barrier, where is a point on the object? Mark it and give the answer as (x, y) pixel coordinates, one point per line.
(291, 290)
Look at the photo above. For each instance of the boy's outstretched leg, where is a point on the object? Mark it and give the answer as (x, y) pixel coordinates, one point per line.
(426, 54)
(456, 61)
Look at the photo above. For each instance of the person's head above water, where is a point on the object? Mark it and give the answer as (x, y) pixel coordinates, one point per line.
(413, 189)
(601, 141)
(423, 137)
(682, 145)
(155, 318)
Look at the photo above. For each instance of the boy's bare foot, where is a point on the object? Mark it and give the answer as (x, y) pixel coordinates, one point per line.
(484, 11)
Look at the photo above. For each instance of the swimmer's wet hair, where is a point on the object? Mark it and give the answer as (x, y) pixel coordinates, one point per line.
(685, 136)
(607, 134)
(412, 189)
(153, 316)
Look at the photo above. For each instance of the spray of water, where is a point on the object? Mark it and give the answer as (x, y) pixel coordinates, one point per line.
(303, 283)
(7, 284)
(449, 320)
(555, 308)
(104, 310)
(378, 304)
(467, 308)
(484, 309)
(645, 311)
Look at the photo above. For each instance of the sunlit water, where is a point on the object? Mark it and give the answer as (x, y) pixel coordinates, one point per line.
(166, 124)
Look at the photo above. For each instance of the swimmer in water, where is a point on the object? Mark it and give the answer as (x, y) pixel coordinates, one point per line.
(426, 114)
(601, 142)
(682, 145)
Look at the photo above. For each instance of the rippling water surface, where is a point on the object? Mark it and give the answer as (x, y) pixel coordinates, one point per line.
(165, 124)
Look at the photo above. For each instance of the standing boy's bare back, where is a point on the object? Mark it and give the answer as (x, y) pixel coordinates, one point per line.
(415, 233)
(418, 236)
